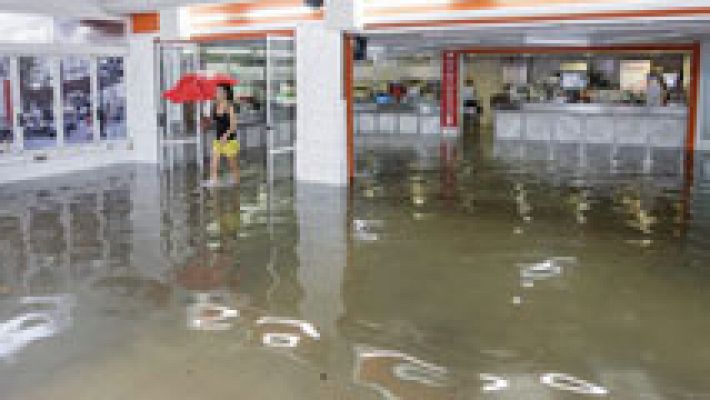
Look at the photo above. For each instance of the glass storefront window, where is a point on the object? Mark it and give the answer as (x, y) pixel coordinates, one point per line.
(6, 119)
(246, 60)
(37, 98)
(112, 98)
(76, 96)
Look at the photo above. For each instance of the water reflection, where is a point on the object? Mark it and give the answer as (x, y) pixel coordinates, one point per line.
(544, 270)
(209, 312)
(396, 375)
(40, 317)
(422, 257)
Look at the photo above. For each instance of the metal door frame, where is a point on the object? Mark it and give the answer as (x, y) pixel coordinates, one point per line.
(164, 139)
(271, 149)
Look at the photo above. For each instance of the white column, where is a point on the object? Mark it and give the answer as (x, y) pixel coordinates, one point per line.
(344, 14)
(141, 98)
(170, 23)
(702, 138)
(321, 154)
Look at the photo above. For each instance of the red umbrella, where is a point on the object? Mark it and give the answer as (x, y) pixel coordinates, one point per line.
(197, 87)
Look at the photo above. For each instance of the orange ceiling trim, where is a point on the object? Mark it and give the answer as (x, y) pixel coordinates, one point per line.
(145, 22)
(676, 12)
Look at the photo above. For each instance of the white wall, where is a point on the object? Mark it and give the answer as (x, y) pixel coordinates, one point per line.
(321, 154)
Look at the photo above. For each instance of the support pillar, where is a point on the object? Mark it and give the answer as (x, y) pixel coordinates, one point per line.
(321, 148)
(142, 108)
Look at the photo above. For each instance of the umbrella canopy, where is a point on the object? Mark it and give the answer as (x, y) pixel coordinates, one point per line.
(196, 87)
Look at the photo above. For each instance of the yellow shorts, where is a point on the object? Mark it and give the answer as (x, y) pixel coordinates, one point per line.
(228, 149)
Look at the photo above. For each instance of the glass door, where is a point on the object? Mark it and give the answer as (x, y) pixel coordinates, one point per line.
(281, 118)
(38, 95)
(179, 124)
(77, 100)
(111, 98)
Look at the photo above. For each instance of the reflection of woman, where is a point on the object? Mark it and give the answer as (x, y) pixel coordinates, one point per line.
(226, 144)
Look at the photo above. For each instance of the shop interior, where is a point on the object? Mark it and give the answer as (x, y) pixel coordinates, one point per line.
(588, 90)
(264, 100)
(493, 82)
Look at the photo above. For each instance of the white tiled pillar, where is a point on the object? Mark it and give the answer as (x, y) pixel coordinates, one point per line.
(170, 23)
(142, 109)
(344, 14)
(321, 154)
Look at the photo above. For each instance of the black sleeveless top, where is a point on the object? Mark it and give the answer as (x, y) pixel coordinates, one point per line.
(222, 124)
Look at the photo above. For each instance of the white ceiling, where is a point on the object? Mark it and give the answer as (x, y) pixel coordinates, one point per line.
(96, 8)
(644, 32)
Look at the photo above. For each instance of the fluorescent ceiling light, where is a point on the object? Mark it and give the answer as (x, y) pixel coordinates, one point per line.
(278, 12)
(228, 51)
(557, 41)
(408, 3)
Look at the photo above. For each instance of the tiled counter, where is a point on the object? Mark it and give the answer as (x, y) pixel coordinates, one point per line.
(594, 123)
(372, 119)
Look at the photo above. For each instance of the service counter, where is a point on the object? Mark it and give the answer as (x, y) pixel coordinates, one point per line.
(399, 119)
(620, 125)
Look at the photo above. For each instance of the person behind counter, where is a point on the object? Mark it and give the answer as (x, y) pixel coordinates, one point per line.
(655, 91)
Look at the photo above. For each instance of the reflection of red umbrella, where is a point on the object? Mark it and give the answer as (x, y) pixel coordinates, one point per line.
(197, 87)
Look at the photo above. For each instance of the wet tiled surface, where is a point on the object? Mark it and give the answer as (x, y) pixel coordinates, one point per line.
(450, 271)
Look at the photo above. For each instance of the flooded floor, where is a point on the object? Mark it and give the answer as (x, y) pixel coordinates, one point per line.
(451, 270)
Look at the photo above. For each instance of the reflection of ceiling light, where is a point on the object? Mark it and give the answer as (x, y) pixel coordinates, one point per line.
(412, 3)
(305, 327)
(280, 340)
(571, 384)
(493, 383)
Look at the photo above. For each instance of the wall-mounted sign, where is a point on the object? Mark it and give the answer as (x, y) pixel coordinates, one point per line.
(449, 89)
(634, 74)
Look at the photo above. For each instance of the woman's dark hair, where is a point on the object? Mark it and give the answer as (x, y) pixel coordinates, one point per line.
(228, 92)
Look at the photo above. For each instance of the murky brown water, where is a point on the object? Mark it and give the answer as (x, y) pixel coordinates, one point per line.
(448, 272)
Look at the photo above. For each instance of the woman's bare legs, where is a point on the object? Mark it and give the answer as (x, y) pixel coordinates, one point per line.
(234, 167)
(214, 166)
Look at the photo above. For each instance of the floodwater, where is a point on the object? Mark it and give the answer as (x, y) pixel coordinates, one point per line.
(450, 271)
